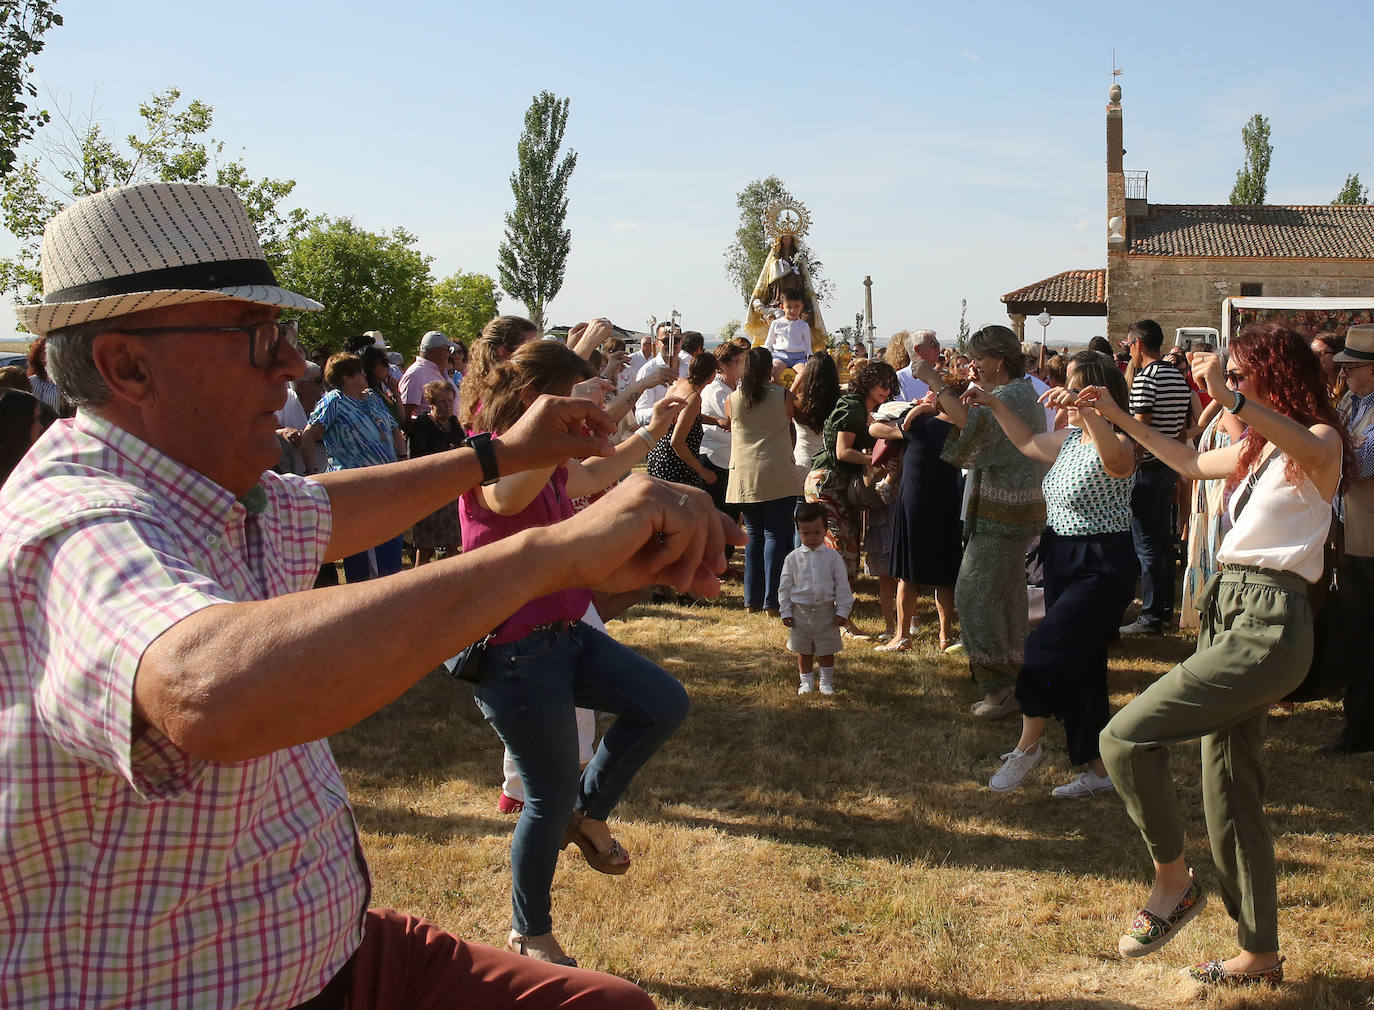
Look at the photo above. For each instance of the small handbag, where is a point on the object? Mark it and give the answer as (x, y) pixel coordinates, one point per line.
(467, 665)
(863, 495)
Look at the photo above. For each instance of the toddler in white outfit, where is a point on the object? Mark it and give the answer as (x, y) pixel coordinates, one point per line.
(814, 600)
(789, 336)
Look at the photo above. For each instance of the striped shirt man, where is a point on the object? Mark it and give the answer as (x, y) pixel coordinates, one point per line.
(1160, 397)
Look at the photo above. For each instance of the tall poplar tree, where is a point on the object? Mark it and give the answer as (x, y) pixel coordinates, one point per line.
(1251, 180)
(534, 254)
(1353, 191)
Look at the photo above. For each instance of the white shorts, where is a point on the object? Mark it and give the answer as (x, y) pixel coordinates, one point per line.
(813, 631)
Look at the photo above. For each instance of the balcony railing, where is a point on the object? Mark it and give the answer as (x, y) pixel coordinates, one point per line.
(1137, 185)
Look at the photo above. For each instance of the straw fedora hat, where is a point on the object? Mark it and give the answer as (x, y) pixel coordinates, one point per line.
(1359, 345)
(150, 245)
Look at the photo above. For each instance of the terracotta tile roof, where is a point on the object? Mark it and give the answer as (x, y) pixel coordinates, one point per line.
(1318, 232)
(1088, 287)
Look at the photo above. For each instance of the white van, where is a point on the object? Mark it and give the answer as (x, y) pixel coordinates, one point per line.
(1189, 337)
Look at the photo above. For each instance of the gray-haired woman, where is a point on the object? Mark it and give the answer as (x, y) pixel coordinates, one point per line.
(1005, 511)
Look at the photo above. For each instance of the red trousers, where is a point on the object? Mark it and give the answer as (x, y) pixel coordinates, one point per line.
(405, 963)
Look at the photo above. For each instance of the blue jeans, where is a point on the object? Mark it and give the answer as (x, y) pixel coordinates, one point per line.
(528, 690)
(1152, 529)
(769, 525)
(357, 568)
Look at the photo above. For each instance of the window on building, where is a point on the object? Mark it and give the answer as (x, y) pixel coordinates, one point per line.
(1251, 290)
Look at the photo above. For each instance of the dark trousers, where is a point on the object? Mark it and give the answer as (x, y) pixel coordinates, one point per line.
(717, 493)
(1356, 629)
(770, 529)
(1152, 529)
(1088, 582)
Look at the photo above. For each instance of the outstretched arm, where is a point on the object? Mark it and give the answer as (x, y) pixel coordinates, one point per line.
(1115, 451)
(1043, 447)
(1170, 451)
(374, 503)
(238, 680)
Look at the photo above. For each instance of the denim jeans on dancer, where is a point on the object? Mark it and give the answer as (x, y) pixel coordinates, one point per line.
(358, 567)
(770, 529)
(528, 691)
(1152, 529)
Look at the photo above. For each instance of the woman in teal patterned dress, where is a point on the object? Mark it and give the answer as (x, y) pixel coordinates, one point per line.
(1090, 570)
(1005, 511)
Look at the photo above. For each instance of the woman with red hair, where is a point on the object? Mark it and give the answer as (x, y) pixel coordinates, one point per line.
(1255, 645)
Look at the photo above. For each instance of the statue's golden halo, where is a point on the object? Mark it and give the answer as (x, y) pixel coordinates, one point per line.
(786, 216)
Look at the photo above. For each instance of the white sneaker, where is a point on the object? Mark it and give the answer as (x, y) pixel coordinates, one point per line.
(1085, 784)
(827, 685)
(1140, 626)
(1018, 764)
(911, 631)
(808, 683)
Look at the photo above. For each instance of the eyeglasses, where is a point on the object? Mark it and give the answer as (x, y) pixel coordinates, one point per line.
(264, 339)
(1346, 366)
(1234, 378)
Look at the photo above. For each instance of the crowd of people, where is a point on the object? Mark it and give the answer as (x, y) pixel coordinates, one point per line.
(172, 593)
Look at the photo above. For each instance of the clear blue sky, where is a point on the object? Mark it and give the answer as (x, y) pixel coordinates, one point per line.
(950, 153)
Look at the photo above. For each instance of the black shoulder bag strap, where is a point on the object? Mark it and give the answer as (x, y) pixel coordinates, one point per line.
(1250, 483)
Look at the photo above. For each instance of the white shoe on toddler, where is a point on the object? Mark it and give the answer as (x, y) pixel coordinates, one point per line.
(808, 684)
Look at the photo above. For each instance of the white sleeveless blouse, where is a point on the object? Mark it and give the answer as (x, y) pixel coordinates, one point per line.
(1283, 526)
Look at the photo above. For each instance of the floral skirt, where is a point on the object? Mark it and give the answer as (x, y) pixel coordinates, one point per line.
(843, 522)
(991, 599)
(439, 529)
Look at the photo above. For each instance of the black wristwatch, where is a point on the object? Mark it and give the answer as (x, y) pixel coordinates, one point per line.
(480, 443)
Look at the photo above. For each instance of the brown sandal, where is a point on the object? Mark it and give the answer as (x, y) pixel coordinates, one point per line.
(615, 861)
(541, 948)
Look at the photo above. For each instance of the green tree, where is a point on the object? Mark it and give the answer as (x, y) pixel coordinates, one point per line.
(1353, 191)
(76, 156)
(745, 255)
(366, 280)
(460, 305)
(534, 253)
(1251, 179)
(963, 334)
(22, 24)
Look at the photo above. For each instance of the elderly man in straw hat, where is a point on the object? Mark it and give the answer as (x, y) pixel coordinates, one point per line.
(1356, 363)
(174, 829)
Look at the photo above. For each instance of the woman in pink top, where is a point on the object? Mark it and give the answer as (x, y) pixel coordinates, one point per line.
(542, 662)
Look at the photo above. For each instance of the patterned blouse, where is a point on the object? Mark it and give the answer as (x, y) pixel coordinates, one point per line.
(356, 432)
(1004, 497)
(1081, 497)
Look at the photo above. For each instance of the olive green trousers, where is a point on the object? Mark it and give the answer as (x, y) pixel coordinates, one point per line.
(1254, 647)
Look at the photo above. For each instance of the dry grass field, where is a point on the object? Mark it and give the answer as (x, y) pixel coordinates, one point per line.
(806, 853)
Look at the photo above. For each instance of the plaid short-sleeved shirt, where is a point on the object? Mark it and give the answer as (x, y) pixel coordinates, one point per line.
(132, 874)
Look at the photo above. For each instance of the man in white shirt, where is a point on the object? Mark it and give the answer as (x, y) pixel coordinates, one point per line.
(431, 365)
(301, 397)
(637, 359)
(927, 348)
(669, 341)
